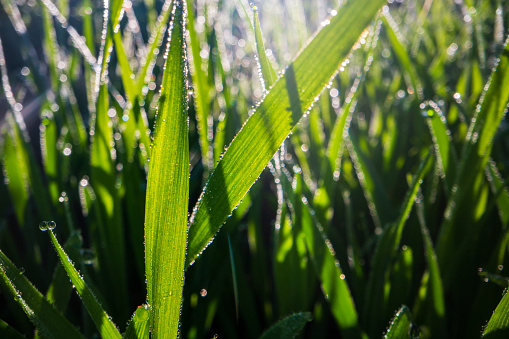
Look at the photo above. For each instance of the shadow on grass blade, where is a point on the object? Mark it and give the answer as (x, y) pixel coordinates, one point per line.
(288, 100)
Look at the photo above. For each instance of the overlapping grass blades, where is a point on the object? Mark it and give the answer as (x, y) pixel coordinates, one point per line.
(168, 188)
(273, 120)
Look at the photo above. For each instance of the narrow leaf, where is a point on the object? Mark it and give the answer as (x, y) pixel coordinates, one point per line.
(139, 327)
(498, 326)
(102, 321)
(400, 325)
(168, 188)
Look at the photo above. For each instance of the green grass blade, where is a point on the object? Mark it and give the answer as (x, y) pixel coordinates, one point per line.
(139, 326)
(201, 92)
(105, 326)
(269, 76)
(43, 314)
(288, 327)
(441, 137)
(400, 325)
(273, 120)
(498, 326)
(168, 188)
(386, 251)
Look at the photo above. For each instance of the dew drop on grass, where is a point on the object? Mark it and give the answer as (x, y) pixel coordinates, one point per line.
(47, 225)
(203, 292)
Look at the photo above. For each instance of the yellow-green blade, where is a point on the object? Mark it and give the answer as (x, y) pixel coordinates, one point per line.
(288, 100)
(168, 188)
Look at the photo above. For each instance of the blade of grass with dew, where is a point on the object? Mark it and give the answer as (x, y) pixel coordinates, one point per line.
(269, 76)
(400, 325)
(476, 151)
(60, 289)
(287, 328)
(139, 325)
(273, 120)
(168, 188)
(499, 190)
(105, 326)
(441, 137)
(332, 280)
(385, 252)
(43, 314)
(498, 325)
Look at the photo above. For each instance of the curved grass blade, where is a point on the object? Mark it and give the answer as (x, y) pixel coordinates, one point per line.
(139, 326)
(102, 321)
(269, 76)
(441, 137)
(498, 326)
(288, 327)
(43, 314)
(386, 251)
(291, 96)
(168, 188)
(400, 325)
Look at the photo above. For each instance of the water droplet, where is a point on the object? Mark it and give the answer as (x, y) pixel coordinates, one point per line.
(43, 226)
(203, 292)
(51, 225)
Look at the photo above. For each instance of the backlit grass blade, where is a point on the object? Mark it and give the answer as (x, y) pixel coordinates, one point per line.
(291, 96)
(139, 325)
(269, 76)
(288, 327)
(441, 137)
(201, 92)
(498, 326)
(168, 188)
(43, 314)
(400, 325)
(105, 326)
(385, 252)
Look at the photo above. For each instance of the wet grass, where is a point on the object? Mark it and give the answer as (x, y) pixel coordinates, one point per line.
(215, 168)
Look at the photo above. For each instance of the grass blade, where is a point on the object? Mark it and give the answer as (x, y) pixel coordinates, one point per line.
(288, 327)
(139, 327)
(400, 325)
(291, 96)
(498, 326)
(43, 314)
(102, 321)
(269, 76)
(168, 188)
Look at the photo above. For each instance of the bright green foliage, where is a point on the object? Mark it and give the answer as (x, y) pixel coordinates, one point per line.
(498, 326)
(370, 173)
(168, 189)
